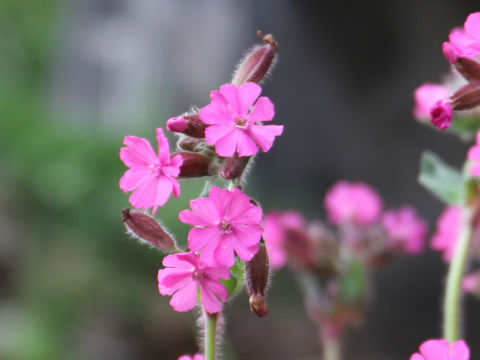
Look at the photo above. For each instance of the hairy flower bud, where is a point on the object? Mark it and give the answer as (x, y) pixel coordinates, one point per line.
(233, 167)
(191, 144)
(257, 271)
(467, 97)
(146, 228)
(194, 164)
(257, 63)
(190, 125)
(469, 68)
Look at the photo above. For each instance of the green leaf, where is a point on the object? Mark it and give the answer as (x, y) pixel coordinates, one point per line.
(442, 180)
(237, 278)
(466, 127)
(353, 282)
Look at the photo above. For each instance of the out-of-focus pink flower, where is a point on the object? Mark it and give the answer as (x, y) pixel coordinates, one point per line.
(185, 274)
(195, 357)
(439, 349)
(234, 120)
(464, 42)
(426, 96)
(225, 222)
(448, 230)
(406, 229)
(152, 176)
(471, 282)
(474, 155)
(355, 202)
(274, 227)
(442, 114)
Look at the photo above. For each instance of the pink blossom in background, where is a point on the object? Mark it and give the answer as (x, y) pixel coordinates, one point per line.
(151, 176)
(355, 202)
(448, 230)
(474, 156)
(195, 357)
(234, 120)
(185, 274)
(464, 42)
(471, 282)
(426, 96)
(439, 349)
(406, 229)
(225, 222)
(442, 114)
(274, 227)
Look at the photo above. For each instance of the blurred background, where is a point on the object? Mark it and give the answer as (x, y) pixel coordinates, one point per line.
(76, 76)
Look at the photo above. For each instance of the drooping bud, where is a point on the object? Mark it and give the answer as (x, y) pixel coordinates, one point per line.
(469, 68)
(257, 271)
(442, 114)
(257, 63)
(194, 164)
(147, 229)
(190, 125)
(233, 167)
(467, 97)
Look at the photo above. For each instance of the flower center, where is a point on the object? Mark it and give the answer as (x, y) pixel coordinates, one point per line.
(197, 274)
(225, 226)
(241, 122)
(155, 169)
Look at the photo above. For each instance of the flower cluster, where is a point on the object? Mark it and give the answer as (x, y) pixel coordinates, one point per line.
(462, 89)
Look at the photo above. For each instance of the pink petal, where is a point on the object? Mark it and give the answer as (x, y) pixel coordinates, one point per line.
(472, 25)
(249, 235)
(207, 208)
(163, 147)
(210, 302)
(250, 216)
(460, 350)
(224, 251)
(186, 298)
(164, 189)
(226, 145)
(183, 260)
(435, 349)
(170, 280)
(215, 286)
(138, 152)
(199, 238)
(230, 93)
(247, 94)
(245, 145)
(176, 188)
(264, 135)
(133, 178)
(215, 113)
(244, 252)
(145, 195)
(217, 272)
(264, 110)
(215, 132)
(192, 218)
(415, 356)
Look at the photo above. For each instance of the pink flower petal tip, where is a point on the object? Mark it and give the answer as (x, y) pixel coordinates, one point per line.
(441, 114)
(474, 157)
(464, 42)
(151, 177)
(439, 349)
(426, 96)
(235, 115)
(448, 228)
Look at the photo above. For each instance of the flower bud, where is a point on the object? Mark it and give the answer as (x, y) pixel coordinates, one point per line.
(469, 68)
(257, 271)
(442, 114)
(467, 97)
(194, 164)
(233, 167)
(146, 228)
(191, 144)
(257, 63)
(190, 125)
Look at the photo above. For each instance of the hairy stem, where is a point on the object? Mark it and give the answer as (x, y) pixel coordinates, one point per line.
(331, 347)
(210, 336)
(451, 311)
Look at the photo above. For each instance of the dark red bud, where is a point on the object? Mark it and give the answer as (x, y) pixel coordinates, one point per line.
(148, 229)
(469, 68)
(467, 97)
(190, 125)
(257, 273)
(233, 167)
(257, 63)
(194, 164)
(192, 144)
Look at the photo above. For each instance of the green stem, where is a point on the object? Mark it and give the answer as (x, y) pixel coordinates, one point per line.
(451, 312)
(210, 336)
(331, 347)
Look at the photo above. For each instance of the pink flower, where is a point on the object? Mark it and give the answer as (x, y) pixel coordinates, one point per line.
(274, 228)
(184, 275)
(439, 349)
(356, 202)
(464, 42)
(151, 176)
(426, 96)
(405, 229)
(225, 222)
(474, 155)
(195, 357)
(471, 282)
(442, 114)
(448, 229)
(235, 120)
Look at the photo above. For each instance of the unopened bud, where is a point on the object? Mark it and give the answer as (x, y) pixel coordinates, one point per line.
(233, 167)
(190, 125)
(257, 63)
(257, 271)
(194, 164)
(469, 68)
(191, 144)
(467, 97)
(147, 229)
